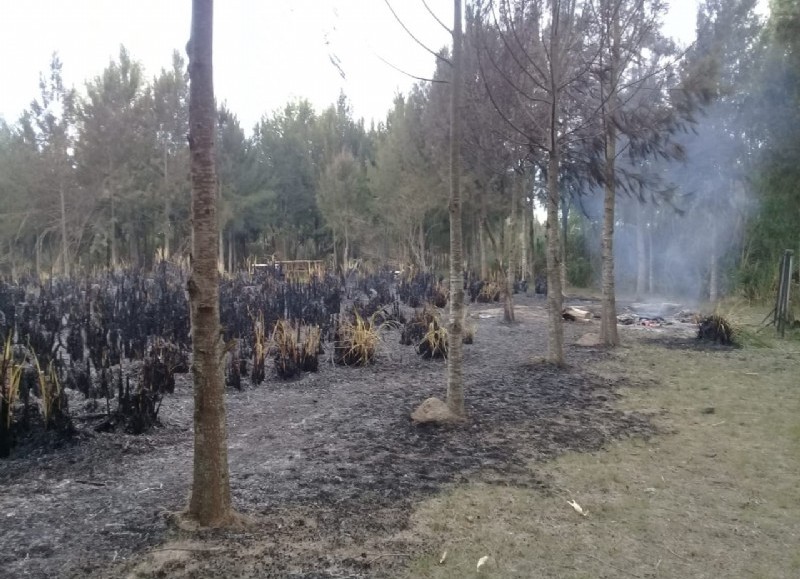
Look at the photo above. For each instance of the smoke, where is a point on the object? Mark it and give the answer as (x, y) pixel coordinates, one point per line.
(682, 239)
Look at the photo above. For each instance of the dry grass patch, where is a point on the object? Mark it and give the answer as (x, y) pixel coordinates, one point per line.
(715, 495)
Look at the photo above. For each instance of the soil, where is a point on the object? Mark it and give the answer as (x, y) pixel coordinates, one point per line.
(326, 468)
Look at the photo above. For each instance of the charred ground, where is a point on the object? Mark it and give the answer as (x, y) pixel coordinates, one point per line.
(326, 467)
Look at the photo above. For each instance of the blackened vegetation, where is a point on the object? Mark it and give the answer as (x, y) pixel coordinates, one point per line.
(109, 347)
(423, 288)
(425, 331)
(717, 329)
(540, 284)
(257, 310)
(76, 336)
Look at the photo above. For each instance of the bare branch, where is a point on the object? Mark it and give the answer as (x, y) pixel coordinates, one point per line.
(414, 38)
(408, 74)
(442, 24)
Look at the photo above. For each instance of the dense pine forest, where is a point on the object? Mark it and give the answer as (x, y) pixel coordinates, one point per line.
(704, 175)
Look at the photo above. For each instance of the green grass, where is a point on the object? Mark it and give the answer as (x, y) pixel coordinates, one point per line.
(715, 494)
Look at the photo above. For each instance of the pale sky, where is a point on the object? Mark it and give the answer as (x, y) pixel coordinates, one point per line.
(266, 52)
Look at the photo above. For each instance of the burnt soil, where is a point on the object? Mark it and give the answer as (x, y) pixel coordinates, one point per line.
(326, 468)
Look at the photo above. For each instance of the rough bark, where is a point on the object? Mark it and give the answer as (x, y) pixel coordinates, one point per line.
(455, 376)
(608, 322)
(210, 502)
(555, 343)
(511, 236)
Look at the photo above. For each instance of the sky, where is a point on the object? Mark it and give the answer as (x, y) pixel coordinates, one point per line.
(266, 52)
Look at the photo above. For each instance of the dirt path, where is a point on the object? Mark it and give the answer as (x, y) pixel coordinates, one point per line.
(328, 466)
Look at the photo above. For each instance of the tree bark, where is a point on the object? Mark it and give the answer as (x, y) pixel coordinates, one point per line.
(608, 321)
(523, 238)
(641, 253)
(650, 274)
(210, 502)
(167, 208)
(64, 242)
(482, 234)
(455, 377)
(508, 302)
(555, 343)
(564, 234)
(113, 234)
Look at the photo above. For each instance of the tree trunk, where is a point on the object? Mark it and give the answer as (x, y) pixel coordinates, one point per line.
(482, 237)
(346, 251)
(564, 233)
(210, 502)
(641, 253)
(455, 377)
(167, 208)
(230, 250)
(113, 240)
(555, 343)
(508, 302)
(650, 275)
(220, 250)
(608, 322)
(713, 283)
(523, 238)
(64, 242)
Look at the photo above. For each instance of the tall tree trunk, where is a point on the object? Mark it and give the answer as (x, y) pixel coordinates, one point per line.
(511, 236)
(523, 237)
(64, 242)
(167, 208)
(608, 321)
(555, 343)
(650, 275)
(641, 253)
(230, 250)
(346, 251)
(713, 281)
(564, 234)
(482, 233)
(210, 502)
(220, 250)
(335, 260)
(455, 376)
(113, 240)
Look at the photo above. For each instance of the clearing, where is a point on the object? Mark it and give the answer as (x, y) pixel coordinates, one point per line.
(684, 456)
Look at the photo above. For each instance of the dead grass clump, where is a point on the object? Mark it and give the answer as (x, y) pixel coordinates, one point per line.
(415, 329)
(356, 340)
(716, 328)
(10, 374)
(469, 333)
(440, 294)
(295, 348)
(434, 342)
(489, 292)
